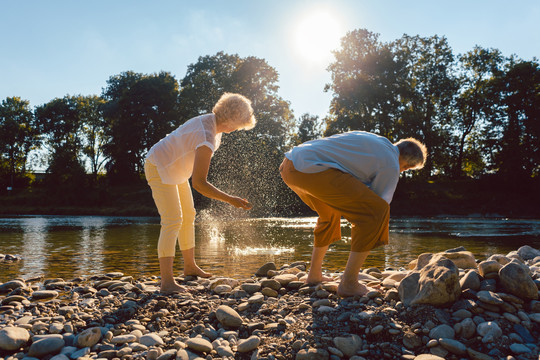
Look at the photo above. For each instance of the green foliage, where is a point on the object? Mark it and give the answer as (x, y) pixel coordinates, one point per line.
(18, 136)
(310, 128)
(247, 161)
(139, 111)
(478, 113)
(60, 123)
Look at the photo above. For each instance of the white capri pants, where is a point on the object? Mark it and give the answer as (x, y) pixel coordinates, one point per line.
(177, 212)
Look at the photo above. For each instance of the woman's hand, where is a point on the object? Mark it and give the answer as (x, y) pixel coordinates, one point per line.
(240, 203)
(203, 155)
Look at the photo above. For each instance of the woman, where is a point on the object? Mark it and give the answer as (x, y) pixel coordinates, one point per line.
(186, 153)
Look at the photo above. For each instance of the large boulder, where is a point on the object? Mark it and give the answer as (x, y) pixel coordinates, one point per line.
(528, 253)
(436, 283)
(12, 338)
(515, 278)
(462, 259)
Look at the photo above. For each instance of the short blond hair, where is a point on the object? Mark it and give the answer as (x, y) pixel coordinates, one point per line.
(235, 109)
(413, 152)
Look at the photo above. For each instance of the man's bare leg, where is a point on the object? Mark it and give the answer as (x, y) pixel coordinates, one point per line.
(190, 267)
(315, 275)
(168, 284)
(349, 285)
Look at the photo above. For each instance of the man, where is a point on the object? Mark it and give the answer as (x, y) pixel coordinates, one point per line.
(353, 175)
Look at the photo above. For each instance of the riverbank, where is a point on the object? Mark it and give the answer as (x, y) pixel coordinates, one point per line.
(447, 306)
(487, 198)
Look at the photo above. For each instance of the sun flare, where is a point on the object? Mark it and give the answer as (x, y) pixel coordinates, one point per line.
(316, 35)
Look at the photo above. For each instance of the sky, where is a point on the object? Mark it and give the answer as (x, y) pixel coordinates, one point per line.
(54, 48)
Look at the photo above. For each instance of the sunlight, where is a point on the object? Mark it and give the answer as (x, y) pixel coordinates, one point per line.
(316, 35)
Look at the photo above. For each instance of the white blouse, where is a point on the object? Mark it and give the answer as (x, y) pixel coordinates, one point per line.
(174, 155)
(370, 158)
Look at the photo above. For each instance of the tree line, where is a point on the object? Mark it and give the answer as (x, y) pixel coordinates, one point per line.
(478, 113)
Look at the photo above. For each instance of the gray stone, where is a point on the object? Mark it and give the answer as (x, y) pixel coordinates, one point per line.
(123, 339)
(489, 297)
(46, 346)
(80, 353)
(151, 339)
(263, 270)
(224, 281)
(488, 267)
(476, 355)
(88, 337)
(224, 351)
(59, 357)
(313, 354)
(249, 344)
(411, 340)
(12, 338)
(271, 283)
(490, 331)
(251, 288)
(516, 280)
(437, 284)
(222, 289)
(442, 331)
(285, 279)
(519, 349)
(228, 317)
(528, 253)
(468, 328)
(454, 346)
(11, 285)
(470, 280)
(44, 294)
(501, 259)
(199, 345)
(348, 345)
(168, 355)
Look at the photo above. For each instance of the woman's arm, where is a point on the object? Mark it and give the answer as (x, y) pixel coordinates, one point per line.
(203, 155)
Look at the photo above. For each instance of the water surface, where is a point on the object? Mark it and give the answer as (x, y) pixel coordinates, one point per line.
(72, 246)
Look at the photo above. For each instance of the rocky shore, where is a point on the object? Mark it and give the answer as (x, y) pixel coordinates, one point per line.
(444, 306)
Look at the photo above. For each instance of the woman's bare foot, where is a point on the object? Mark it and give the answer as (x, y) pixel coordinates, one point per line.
(352, 289)
(317, 279)
(196, 271)
(172, 288)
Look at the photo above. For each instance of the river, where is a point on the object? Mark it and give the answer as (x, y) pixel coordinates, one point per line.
(73, 246)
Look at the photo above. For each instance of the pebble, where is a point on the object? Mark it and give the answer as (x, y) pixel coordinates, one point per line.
(272, 316)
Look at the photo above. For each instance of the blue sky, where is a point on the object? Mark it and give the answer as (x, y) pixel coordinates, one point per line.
(53, 48)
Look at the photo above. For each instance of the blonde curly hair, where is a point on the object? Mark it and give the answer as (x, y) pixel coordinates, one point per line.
(235, 110)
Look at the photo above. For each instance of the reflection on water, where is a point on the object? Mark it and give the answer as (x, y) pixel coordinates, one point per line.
(71, 246)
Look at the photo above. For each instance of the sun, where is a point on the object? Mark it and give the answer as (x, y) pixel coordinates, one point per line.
(316, 35)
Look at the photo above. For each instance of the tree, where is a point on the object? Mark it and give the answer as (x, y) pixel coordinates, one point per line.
(139, 110)
(365, 85)
(474, 107)
(247, 161)
(93, 128)
(310, 128)
(60, 125)
(428, 96)
(18, 135)
(517, 156)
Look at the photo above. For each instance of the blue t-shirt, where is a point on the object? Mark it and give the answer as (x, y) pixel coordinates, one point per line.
(370, 158)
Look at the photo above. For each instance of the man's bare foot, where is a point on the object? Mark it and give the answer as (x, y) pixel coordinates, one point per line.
(172, 289)
(196, 271)
(317, 279)
(352, 289)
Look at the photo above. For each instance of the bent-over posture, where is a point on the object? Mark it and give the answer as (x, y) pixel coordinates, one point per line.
(186, 153)
(351, 175)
